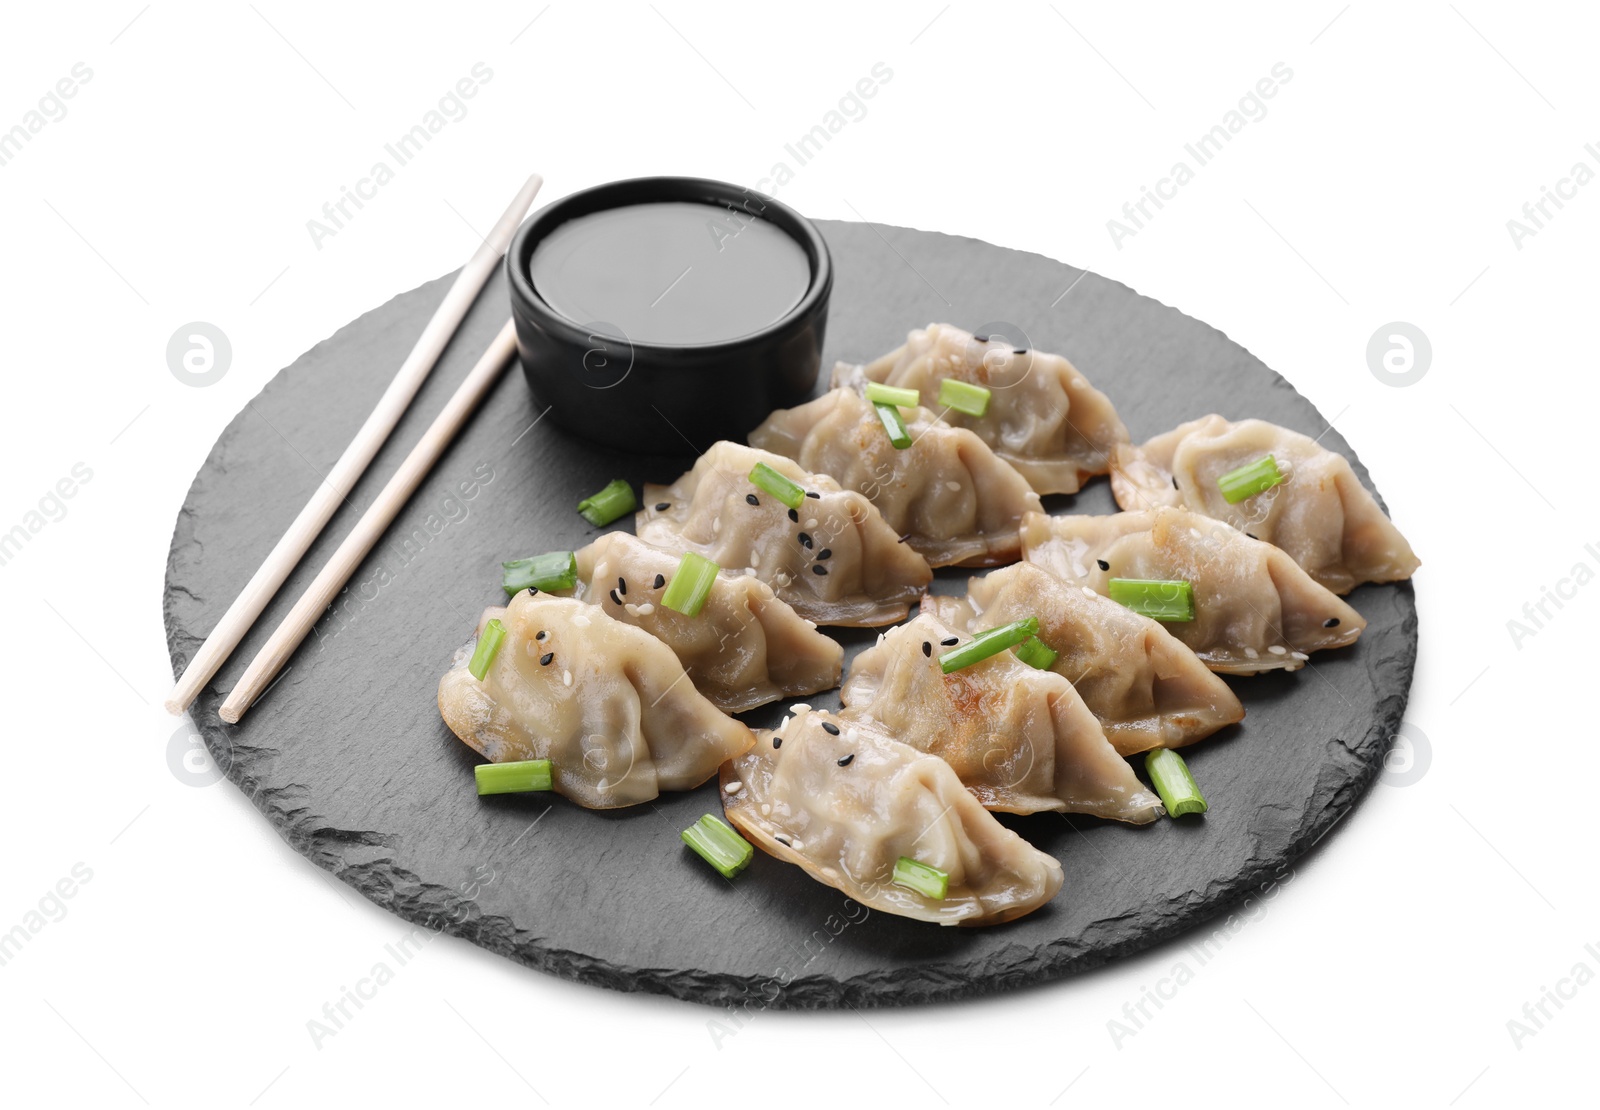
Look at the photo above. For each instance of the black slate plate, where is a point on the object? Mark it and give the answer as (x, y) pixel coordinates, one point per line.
(348, 758)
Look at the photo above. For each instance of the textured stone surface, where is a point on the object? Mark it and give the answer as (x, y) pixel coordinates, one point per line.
(347, 757)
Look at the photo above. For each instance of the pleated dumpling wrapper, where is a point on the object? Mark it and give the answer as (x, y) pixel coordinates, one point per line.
(1043, 416)
(745, 647)
(1254, 608)
(1019, 738)
(603, 701)
(834, 558)
(948, 493)
(1145, 686)
(1319, 513)
(846, 801)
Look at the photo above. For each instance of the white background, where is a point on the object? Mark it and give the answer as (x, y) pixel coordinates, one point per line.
(1376, 189)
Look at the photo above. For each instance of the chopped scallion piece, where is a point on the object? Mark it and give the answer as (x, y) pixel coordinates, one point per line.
(1250, 479)
(776, 484)
(894, 425)
(521, 777)
(1036, 653)
(554, 570)
(985, 644)
(1159, 600)
(880, 394)
(691, 584)
(964, 397)
(719, 846)
(927, 881)
(1169, 774)
(494, 634)
(612, 503)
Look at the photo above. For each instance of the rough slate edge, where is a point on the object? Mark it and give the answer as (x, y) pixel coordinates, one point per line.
(436, 906)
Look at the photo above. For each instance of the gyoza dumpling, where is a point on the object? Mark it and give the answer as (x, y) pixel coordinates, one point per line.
(954, 500)
(845, 801)
(1019, 738)
(1320, 513)
(834, 559)
(602, 700)
(1044, 418)
(1145, 686)
(745, 648)
(1254, 608)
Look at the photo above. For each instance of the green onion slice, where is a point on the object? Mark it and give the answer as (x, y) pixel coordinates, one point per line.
(521, 777)
(927, 881)
(964, 397)
(1169, 774)
(494, 634)
(719, 845)
(612, 503)
(985, 644)
(880, 394)
(1250, 479)
(691, 584)
(1036, 653)
(554, 570)
(776, 484)
(1159, 600)
(894, 425)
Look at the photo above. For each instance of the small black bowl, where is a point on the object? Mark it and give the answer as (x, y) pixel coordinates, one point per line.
(656, 397)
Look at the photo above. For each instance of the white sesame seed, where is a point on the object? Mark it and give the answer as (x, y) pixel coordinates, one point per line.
(794, 842)
(1300, 655)
(1252, 653)
(755, 558)
(811, 522)
(646, 609)
(1278, 649)
(580, 620)
(716, 524)
(734, 787)
(566, 678)
(766, 810)
(631, 609)
(953, 487)
(1090, 592)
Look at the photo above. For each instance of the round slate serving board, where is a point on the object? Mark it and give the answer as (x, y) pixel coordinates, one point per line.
(348, 758)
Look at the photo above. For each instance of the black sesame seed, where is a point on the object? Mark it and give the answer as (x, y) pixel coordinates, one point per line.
(950, 641)
(777, 742)
(663, 506)
(1331, 622)
(903, 538)
(814, 496)
(533, 591)
(927, 649)
(542, 634)
(830, 728)
(1102, 564)
(784, 840)
(794, 516)
(847, 760)
(547, 658)
(1252, 535)
(622, 584)
(1174, 481)
(661, 580)
(751, 499)
(805, 539)
(819, 569)
(1020, 351)
(981, 338)
(615, 600)
(825, 553)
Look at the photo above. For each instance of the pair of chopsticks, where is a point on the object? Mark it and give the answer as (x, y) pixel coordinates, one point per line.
(283, 559)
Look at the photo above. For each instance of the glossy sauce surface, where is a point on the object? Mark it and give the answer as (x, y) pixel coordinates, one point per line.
(671, 272)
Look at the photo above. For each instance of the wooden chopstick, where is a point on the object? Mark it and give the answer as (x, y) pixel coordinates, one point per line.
(270, 576)
(320, 594)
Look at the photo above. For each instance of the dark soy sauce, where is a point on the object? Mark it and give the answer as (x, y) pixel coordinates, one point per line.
(672, 272)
